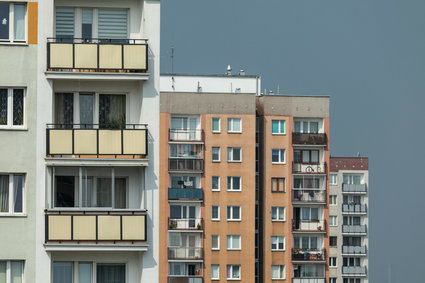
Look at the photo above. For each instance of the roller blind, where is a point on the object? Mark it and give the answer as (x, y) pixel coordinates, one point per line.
(65, 22)
(113, 23)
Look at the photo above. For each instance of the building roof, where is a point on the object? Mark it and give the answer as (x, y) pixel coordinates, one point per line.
(349, 163)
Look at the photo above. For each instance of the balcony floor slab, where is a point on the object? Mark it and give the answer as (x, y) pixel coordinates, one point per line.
(96, 76)
(100, 162)
(96, 248)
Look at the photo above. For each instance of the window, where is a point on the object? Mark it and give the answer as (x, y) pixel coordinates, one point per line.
(215, 154)
(12, 191)
(11, 271)
(332, 262)
(215, 183)
(333, 200)
(63, 272)
(215, 272)
(309, 213)
(233, 272)
(353, 179)
(174, 240)
(307, 242)
(303, 126)
(352, 280)
(351, 261)
(278, 156)
(278, 213)
(332, 280)
(184, 181)
(215, 242)
(333, 221)
(306, 156)
(186, 151)
(215, 212)
(333, 179)
(12, 22)
(333, 241)
(234, 125)
(278, 243)
(12, 107)
(234, 183)
(234, 154)
(234, 213)
(278, 127)
(278, 185)
(351, 220)
(308, 182)
(278, 272)
(233, 242)
(216, 125)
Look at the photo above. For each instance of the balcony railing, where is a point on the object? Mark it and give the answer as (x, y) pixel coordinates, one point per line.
(95, 226)
(354, 188)
(354, 208)
(179, 194)
(94, 141)
(309, 139)
(186, 278)
(354, 229)
(308, 280)
(185, 253)
(309, 168)
(354, 270)
(186, 135)
(185, 224)
(353, 250)
(97, 55)
(308, 254)
(315, 196)
(309, 225)
(185, 164)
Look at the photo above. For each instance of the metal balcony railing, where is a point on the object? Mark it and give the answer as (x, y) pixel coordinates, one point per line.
(308, 280)
(185, 253)
(354, 250)
(309, 168)
(309, 225)
(192, 135)
(185, 164)
(354, 208)
(309, 139)
(354, 188)
(354, 229)
(185, 224)
(354, 270)
(180, 193)
(308, 254)
(315, 196)
(97, 55)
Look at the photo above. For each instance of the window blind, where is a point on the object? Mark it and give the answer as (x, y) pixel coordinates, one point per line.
(113, 23)
(65, 22)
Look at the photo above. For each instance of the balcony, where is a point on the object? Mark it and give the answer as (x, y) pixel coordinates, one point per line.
(93, 56)
(185, 279)
(309, 255)
(354, 250)
(309, 139)
(188, 135)
(308, 280)
(354, 188)
(308, 168)
(91, 141)
(309, 196)
(184, 253)
(354, 270)
(185, 165)
(309, 225)
(185, 224)
(354, 208)
(94, 227)
(185, 194)
(354, 229)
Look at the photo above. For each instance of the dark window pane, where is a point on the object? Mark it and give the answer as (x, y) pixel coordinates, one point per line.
(18, 187)
(62, 272)
(18, 107)
(4, 20)
(104, 192)
(111, 111)
(3, 106)
(64, 109)
(4, 193)
(120, 193)
(65, 191)
(110, 273)
(86, 110)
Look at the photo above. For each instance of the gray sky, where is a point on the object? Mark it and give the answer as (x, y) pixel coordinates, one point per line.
(368, 55)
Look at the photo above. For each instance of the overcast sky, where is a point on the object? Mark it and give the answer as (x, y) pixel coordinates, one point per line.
(368, 55)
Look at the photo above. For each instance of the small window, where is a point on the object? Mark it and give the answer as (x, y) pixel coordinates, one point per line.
(278, 272)
(333, 200)
(234, 213)
(215, 272)
(278, 213)
(11, 269)
(12, 191)
(233, 272)
(234, 154)
(332, 262)
(12, 108)
(233, 242)
(216, 125)
(333, 179)
(278, 185)
(215, 212)
(278, 156)
(12, 22)
(332, 280)
(215, 183)
(278, 243)
(278, 127)
(333, 221)
(234, 125)
(234, 183)
(333, 241)
(215, 242)
(215, 154)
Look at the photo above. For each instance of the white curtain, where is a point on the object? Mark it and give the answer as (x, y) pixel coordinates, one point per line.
(4, 193)
(19, 22)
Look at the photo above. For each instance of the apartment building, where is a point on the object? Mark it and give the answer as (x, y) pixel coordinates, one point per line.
(79, 129)
(348, 203)
(207, 178)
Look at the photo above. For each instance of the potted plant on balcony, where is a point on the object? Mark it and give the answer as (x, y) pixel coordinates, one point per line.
(199, 227)
(172, 225)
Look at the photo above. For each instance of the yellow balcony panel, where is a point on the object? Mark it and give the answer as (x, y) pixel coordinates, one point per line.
(86, 56)
(85, 141)
(59, 227)
(135, 57)
(133, 228)
(110, 142)
(60, 141)
(84, 228)
(110, 56)
(61, 55)
(135, 142)
(109, 227)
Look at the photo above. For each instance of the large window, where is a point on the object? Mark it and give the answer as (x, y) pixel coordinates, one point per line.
(233, 242)
(309, 213)
(304, 182)
(306, 242)
(234, 213)
(278, 243)
(278, 272)
(234, 154)
(233, 271)
(234, 183)
(63, 272)
(234, 125)
(12, 22)
(12, 109)
(353, 179)
(11, 271)
(184, 181)
(304, 126)
(12, 193)
(306, 156)
(186, 151)
(278, 127)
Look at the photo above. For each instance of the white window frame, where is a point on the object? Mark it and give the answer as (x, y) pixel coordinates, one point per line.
(12, 24)
(230, 155)
(280, 155)
(230, 122)
(9, 269)
(9, 125)
(230, 217)
(218, 188)
(218, 212)
(231, 271)
(279, 126)
(280, 266)
(333, 262)
(11, 196)
(230, 238)
(94, 264)
(218, 271)
(278, 208)
(331, 222)
(212, 154)
(219, 125)
(276, 240)
(309, 121)
(333, 179)
(230, 189)
(333, 200)
(218, 242)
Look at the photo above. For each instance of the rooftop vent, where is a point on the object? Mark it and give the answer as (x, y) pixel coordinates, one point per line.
(229, 70)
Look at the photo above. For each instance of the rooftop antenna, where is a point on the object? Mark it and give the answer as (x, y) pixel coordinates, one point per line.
(278, 89)
(358, 154)
(229, 70)
(172, 59)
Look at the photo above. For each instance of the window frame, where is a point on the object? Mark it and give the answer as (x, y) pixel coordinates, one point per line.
(275, 241)
(333, 179)
(231, 212)
(9, 269)
(279, 122)
(282, 271)
(218, 213)
(331, 223)
(218, 272)
(230, 189)
(9, 123)
(331, 238)
(94, 264)
(229, 270)
(230, 154)
(212, 125)
(230, 122)
(333, 262)
(11, 193)
(218, 183)
(230, 238)
(278, 208)
(11, 39)
(218, 242)
(212, 154)
(277, 180)
(280, 156)
(333, 200)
